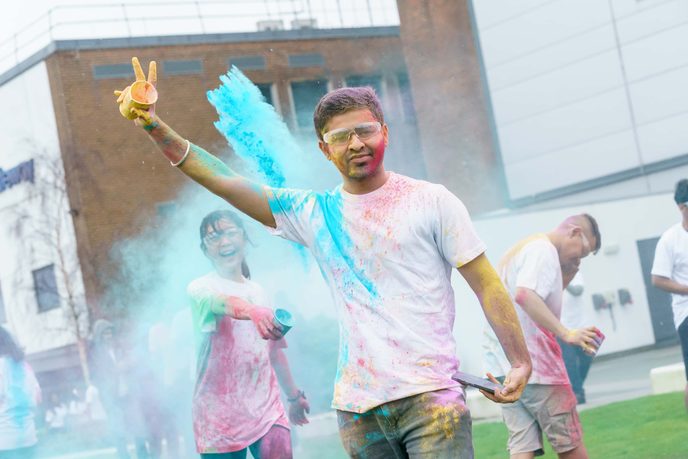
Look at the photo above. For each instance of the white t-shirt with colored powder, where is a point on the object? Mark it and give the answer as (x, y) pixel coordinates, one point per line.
(387, 257)
(671, 261)
(533, 264)
(237, 396)
(572, 306)
(97, 411)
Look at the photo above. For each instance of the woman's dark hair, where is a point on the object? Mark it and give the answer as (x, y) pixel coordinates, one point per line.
(681, 195)
(212, 219)
(9, 347)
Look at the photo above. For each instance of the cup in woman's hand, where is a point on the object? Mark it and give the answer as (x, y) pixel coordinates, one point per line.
(285, 319)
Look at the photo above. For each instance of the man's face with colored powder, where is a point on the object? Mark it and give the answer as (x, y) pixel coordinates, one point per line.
(224, 244)
(358, 158)
(577, 245)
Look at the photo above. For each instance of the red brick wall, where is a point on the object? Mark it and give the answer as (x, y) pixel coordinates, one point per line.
(442, 62)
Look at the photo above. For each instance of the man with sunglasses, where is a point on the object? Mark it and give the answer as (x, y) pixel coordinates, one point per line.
(386, 245)
(670, 269)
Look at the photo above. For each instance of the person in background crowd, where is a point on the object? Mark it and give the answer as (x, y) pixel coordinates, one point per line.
(94, 408)
(19, 395)
(573, 317)
(182, 376)
(77, 409)
(670, 270)
(56, 414)
(152, 358)
(110, 366)
(535, 272)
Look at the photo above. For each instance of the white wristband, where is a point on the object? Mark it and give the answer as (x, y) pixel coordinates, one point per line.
(188, 147)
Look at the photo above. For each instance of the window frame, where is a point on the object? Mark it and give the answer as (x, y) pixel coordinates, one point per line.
(42, 308)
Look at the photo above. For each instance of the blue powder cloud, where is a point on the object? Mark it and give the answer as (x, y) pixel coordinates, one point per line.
(255, 132)
(252, 128)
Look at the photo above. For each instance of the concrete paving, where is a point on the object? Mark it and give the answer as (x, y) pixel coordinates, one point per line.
(627, 377)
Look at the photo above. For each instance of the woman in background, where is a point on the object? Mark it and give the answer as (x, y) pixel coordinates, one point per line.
(19, 394)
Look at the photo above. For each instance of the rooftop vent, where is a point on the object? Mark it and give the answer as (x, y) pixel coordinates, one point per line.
(264, 26)
(304, 24)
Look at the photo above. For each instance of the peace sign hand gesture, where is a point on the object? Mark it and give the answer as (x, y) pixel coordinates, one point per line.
(137, 101)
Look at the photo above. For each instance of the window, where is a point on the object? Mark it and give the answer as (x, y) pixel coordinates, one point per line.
(182, 67)
(265, 90)
(306, 95)
(406, 97)
(3, 317)
(113, 71)
(306, 60)
(362, 80)
(46, 288)
(247, 62)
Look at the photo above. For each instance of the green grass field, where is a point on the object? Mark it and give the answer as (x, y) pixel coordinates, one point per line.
(653, 427)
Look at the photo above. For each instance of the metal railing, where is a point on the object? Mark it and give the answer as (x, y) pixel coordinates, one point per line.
(114, 20)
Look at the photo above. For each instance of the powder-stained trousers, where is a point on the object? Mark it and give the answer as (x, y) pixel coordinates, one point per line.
(433, 425)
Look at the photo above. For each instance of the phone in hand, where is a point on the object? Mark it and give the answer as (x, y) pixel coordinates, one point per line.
(473, 381)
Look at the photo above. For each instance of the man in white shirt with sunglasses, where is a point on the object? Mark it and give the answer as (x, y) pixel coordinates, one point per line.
(386, 245)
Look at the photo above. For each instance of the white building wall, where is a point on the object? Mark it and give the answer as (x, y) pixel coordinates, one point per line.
(584, 88)
(621, 222)
(28, 131)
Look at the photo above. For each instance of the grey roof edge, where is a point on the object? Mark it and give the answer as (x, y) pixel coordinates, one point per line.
(201, 39)
(610, 179)
(27, 63)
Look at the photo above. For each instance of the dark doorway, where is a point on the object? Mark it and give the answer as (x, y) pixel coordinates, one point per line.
(659, 300)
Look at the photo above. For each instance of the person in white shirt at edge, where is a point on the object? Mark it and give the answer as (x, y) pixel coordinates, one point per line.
(577, 361)
(670, 270)
(19, 396)
(94, 409)
(386, 245)
(535, 272)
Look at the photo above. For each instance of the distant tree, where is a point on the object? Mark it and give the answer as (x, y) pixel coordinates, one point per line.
(43, 227)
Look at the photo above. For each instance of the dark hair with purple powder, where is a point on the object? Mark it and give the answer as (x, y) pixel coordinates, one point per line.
(212, 219)
(343, 100)
(681, 194)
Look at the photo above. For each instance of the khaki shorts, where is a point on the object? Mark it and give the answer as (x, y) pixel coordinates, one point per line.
(543, 409)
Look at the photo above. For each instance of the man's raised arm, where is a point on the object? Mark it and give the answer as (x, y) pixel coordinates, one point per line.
(198, 164)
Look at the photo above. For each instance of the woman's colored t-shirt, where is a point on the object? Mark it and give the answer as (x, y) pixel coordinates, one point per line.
(237, 396)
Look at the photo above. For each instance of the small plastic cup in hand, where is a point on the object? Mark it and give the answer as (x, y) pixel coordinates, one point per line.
(285, 319)
(599, 339)
(142, 94)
